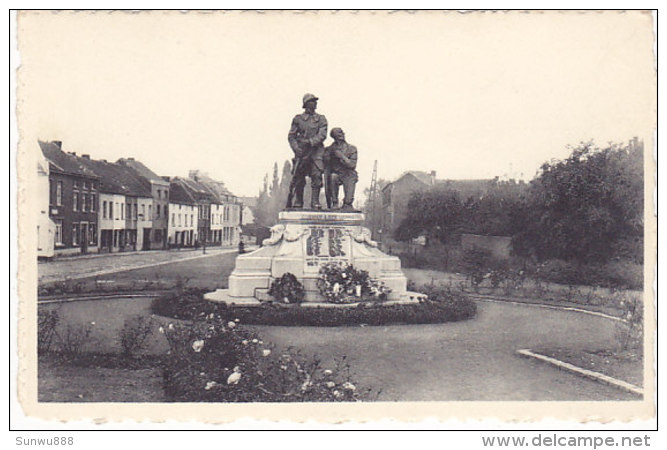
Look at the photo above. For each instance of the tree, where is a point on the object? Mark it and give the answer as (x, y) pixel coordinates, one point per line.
(585, 207)
(272, 199)
(436, 214)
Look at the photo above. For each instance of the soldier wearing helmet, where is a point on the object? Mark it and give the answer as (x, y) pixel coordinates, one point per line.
(306, 137)
(341, 161)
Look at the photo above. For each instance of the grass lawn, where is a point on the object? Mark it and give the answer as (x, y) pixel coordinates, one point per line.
(75, 383)
(210, 272)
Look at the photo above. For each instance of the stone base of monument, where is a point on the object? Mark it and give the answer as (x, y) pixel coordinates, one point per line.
(300, 244)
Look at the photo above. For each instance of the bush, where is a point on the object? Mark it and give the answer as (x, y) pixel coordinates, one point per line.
(134, 334)
(184, 305)
(614, 274)
(73, 339)
(47, 321)
(630, 332)
(287, 289)
(212, 360)
(444, 305)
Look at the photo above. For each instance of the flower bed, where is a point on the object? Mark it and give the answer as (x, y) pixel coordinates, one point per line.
(214, 360)
(441, 306)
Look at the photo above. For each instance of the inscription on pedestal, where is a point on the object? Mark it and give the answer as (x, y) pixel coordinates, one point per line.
(323, 245)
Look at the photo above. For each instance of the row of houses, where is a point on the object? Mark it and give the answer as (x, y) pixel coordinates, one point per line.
(91, 206)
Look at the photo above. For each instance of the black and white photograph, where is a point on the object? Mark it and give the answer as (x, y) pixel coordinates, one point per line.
(362, 214)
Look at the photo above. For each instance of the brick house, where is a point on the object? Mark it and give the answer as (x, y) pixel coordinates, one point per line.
(73, 201)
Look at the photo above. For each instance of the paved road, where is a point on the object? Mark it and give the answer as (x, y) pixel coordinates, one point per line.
(471, 360)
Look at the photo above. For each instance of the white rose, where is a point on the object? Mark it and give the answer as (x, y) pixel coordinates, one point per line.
(198, 345)
(234, 378)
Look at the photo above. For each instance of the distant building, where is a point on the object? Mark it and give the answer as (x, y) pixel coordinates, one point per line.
(184, 221)
(396, 195)
(225, 211)
(123, 194)
(73, 201)
(155, 236)
(247, 204)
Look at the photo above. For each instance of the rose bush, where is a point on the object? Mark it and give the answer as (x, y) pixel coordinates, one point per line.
(213, 360)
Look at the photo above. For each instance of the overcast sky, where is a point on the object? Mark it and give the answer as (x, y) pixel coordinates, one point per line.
(467, 95)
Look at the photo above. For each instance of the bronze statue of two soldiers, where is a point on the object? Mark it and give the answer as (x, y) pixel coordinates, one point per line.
(335, 164)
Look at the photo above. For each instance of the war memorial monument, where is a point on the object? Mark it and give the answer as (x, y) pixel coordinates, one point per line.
(306, 239)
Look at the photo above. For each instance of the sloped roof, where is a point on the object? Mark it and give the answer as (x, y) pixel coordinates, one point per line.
(140, 169)
(179, 194)
(196, 190)
(60, 161)
(117, 179)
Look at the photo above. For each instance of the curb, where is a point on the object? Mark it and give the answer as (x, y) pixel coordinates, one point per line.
(84, 298)
(596, 376)
(491, 299)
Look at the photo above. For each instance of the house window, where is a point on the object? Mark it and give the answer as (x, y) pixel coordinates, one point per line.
(192, 220)
(143, 212)
(85, 185)
(104, 209)
(59, 232)
(128, 211)
(75, 234)
(150, 211)
(135, 211)
(76, 183)
(75, 201)
(179, 219)
(157, 212)
(93, 202)
(84, 202)
(173, 222)
(122, 212)
(59, 193)
(110, 210)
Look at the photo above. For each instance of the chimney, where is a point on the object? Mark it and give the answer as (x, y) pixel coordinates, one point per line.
(85, 156)
(58, 144)
(130, 159)
(103, 160)
(72, 153)
(432, 177)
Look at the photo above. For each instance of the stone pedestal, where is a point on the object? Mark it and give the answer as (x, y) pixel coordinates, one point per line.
(300, 243)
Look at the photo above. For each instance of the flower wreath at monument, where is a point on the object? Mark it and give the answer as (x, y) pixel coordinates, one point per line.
(340, 282)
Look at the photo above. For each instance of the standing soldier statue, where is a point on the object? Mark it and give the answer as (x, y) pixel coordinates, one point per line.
(341, 162)
(308, 132)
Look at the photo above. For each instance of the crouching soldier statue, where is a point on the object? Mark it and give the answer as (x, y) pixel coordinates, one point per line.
(340, 160)
(306, 137)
